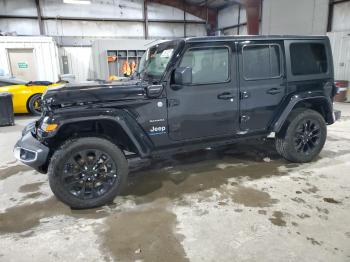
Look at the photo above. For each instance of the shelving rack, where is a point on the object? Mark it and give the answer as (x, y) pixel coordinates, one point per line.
(115, 67)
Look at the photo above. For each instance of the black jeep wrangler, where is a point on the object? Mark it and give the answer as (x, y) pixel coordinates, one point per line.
(191, 93)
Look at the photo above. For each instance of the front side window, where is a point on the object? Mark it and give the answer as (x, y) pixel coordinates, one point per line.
(308, 58)
(209, 64)
(155, 60)
(261, 61)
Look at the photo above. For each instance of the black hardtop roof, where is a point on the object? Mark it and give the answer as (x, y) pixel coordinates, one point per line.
(253, 37)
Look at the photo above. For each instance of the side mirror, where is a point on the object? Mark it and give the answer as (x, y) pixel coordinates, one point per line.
(154, 90)
(183, 76)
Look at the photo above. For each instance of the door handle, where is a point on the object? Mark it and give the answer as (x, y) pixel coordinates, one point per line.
(225, 96)
(273, 91)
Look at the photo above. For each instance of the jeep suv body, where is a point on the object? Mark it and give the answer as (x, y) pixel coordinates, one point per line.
(191, 93)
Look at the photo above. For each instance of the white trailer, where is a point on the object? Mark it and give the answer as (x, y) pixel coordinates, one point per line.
(29, 58)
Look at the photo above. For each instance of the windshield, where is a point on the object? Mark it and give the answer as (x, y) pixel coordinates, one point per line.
(154, 62)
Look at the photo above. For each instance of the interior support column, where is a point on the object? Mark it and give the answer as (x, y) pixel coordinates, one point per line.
(253, 8)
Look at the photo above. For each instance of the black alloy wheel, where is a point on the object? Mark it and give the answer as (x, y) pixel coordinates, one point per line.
(89, 174)
(303, 136)
(308, 134)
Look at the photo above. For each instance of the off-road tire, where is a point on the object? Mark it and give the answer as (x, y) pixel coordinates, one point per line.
(67, 150)
(285, 139)
(31, 104)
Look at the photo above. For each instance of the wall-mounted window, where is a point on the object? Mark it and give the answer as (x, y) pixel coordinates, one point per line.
(261, 61)
(209, 64)
(308, 58)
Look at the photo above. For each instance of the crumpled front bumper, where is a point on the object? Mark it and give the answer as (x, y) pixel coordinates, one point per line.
(30, 151)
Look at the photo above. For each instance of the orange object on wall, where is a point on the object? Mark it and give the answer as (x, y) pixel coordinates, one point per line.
(112, 58)
(126, 68)
(133, 66)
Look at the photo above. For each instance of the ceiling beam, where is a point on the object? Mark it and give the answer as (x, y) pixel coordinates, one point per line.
(145, 18)
(95, 19)
(39, 16)
(253, 9)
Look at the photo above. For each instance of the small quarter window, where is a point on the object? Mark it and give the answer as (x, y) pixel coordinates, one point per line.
(261, 61)
(209, 64)
(308, 58)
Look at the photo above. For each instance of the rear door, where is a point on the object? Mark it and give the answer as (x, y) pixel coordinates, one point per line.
(208, 107)
(262, 83)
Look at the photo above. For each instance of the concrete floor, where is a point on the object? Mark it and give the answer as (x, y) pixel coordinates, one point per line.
(239, 204)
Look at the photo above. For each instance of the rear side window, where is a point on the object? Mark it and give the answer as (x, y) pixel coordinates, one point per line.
(308, 58)
(261, 61)
(209, 64)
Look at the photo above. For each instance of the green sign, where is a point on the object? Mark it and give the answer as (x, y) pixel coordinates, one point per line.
(22, 65)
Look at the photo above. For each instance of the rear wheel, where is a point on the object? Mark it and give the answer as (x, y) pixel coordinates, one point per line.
(87, 172)
(303, 136)
(34, 104)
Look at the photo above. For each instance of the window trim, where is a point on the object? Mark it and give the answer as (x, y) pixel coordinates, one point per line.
(264, 78)
(308, 43)
(211, 46)
(328, 75)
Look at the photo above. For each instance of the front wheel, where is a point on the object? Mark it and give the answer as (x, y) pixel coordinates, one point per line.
(303, 136)
(34, 104)
(87, 172)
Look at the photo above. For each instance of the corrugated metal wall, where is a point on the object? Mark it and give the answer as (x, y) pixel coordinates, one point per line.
(80, 62)
(74, 37)
(229, 18)
(341, 17)
(304, 17)
(340, 42)
(98, 9)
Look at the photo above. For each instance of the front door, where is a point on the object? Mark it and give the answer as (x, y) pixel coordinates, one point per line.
(22, 64)
(262, 83)
(208, 107)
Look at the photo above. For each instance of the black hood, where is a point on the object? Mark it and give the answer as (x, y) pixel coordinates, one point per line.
(94, 92)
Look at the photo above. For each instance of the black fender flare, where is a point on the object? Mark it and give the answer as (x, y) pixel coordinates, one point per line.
(120, 117)
(304, 97)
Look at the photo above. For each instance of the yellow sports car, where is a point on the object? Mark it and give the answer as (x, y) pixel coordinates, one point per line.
(26, 96)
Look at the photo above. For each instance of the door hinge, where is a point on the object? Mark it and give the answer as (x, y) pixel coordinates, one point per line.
(244, 95)
(244, 118)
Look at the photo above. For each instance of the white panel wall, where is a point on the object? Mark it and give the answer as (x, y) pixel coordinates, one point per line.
(91, 28)
(81, 32)
(108, 9)
(45, 53)
(80, 62)
(341, 17)
(340, 42)
(243, 30)
(20, 26)
(306, 17)
(161, 30)
(229, 16)
(22, 7)
(195, 30)
(101, 9)
(157, 11)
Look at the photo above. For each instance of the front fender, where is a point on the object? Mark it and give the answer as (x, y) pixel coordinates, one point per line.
(120, 117)
(310, 97)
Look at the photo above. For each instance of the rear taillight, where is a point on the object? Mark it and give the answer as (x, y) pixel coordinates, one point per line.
(340, 90)
(341, 83)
